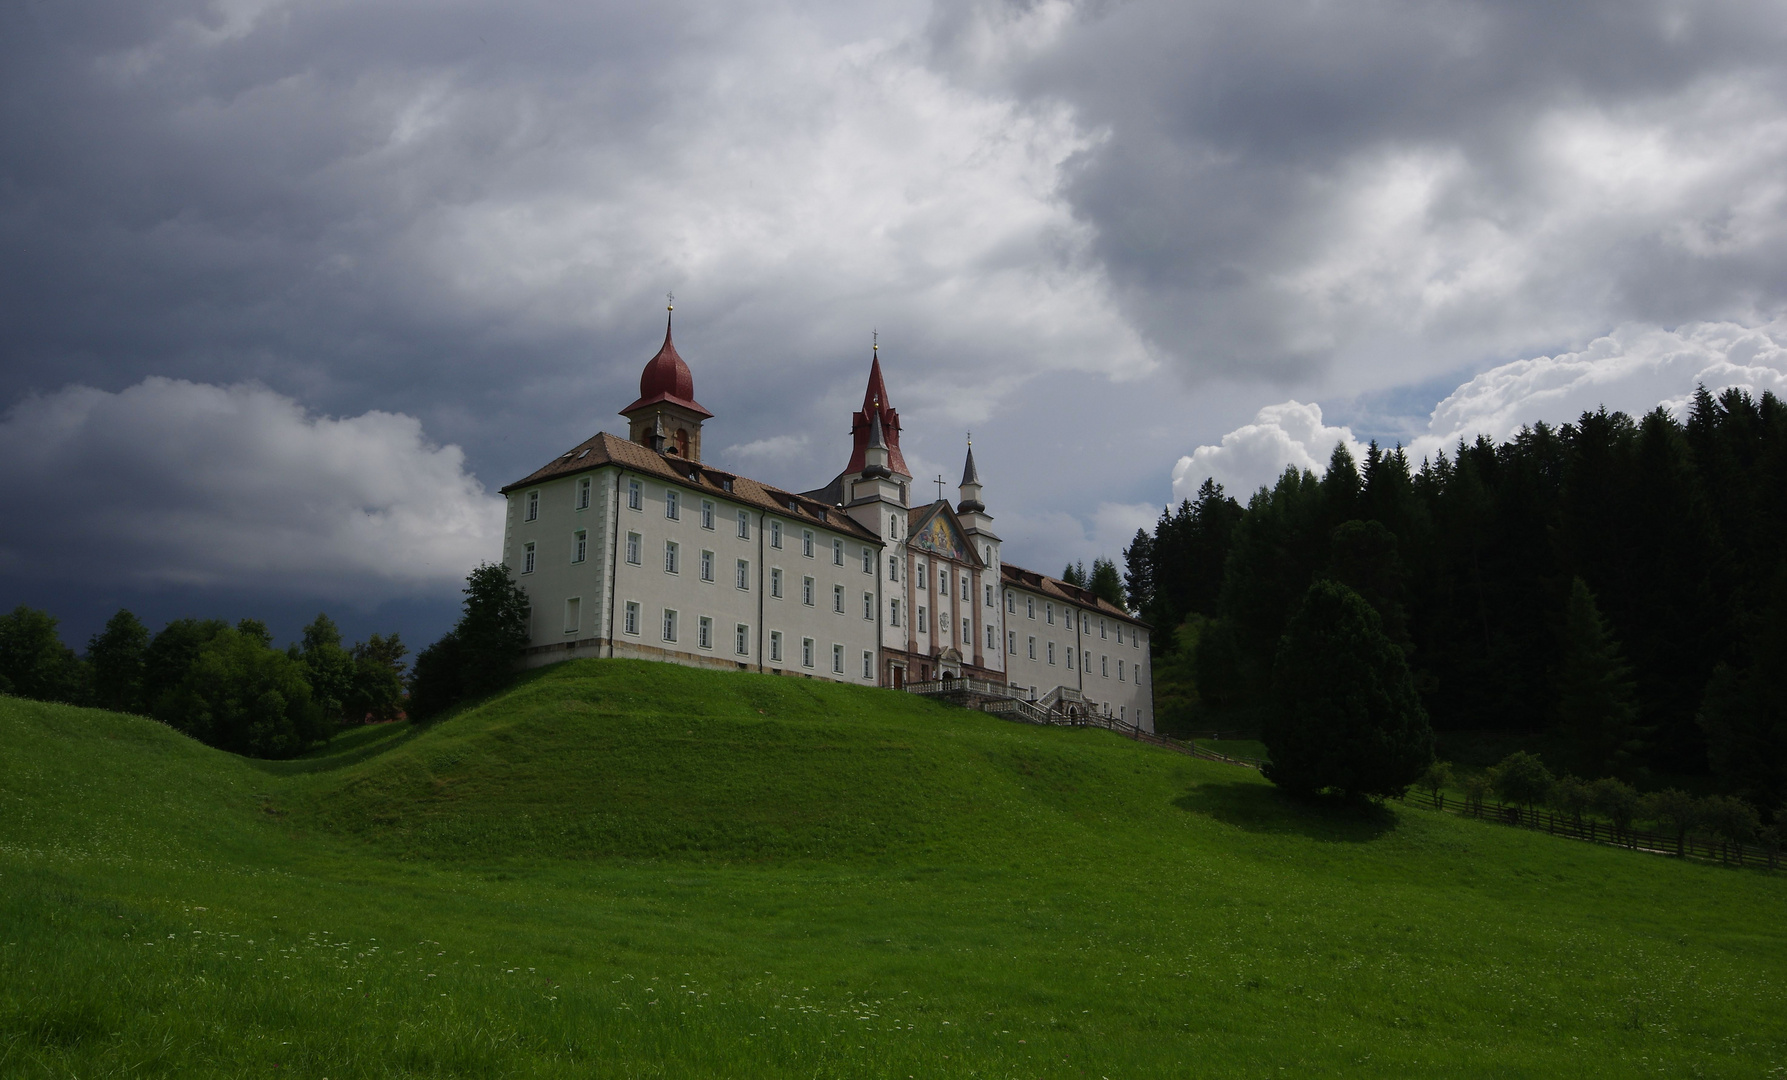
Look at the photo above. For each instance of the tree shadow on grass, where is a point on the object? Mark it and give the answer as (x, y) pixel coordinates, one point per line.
(1262, 808)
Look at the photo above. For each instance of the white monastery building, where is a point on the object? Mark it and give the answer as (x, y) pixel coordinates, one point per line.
(632, 547)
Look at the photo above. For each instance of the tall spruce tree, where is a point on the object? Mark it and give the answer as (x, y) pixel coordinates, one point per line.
(1344, 716)
(1595, 706)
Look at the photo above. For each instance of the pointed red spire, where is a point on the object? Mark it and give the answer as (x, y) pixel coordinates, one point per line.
(874, 403)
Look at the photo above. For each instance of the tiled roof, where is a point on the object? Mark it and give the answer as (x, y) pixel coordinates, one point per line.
(606, 449)
(1061, 590)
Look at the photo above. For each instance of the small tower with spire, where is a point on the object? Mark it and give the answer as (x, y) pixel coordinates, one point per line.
(972, 513)
(667, 417)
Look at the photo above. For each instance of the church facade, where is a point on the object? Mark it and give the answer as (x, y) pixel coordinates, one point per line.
(634, 547)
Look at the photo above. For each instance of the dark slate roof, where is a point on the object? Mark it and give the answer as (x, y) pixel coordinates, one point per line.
(605, 449)
(1061, 590)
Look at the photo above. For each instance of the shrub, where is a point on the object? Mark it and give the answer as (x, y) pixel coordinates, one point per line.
(1615, 800)
(1521, 778)
(1677, 810)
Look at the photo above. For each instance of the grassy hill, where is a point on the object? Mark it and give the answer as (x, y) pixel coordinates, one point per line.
(626, 869)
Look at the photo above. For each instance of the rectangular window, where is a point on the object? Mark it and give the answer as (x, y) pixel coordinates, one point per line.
(1070, 656)
(868, 560)
(707, 566)
(992, 642)
(573, 614)
(635, 495)
(923, 577)
(837, 599)
(1119, 633)
(1011, 604)
(1011, 642)
(837, 553)
(742, 575)
(1119, 671)
(775, 646)
(630, 623)
(868, 665)
(1101, 628)
(775, 534)
(1085, 661)
(1033, 647)
(775, 582)
(583, 494)
(1051, 613)
(707, 514)
(942, 582)
(744, 524)
(1104, 666)
(533, 505)
(893, 568)
(989, 596)
(741, 639)
(837, 659)
(806, 542)
(1051, 652)
(868, 606)
(893, 612)
(704, 632)
(672, 557)
(1123, 713)
(923, 624)
(967, 631)
(579, 545)
(669, 625)
(806, 652)
(806, 591)
(527, 558)
(966, 592)
(633, 548)
(1030, 607)
(672, 504)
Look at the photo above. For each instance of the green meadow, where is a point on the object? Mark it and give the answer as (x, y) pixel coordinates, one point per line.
(623, 869)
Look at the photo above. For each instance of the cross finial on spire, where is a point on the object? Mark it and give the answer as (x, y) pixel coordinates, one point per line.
(939, 483)
(669, 301)
(875, 339)
(971, 438)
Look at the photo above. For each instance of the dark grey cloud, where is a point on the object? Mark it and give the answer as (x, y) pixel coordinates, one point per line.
(1089, 233)
(1387, 190)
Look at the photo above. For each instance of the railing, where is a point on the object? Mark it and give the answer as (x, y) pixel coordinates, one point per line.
(1601, 832)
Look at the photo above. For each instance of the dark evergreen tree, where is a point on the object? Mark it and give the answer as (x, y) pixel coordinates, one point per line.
(1595, 707)
(1745, 711)
(116, 657)
(1106, 583)
(1138, 573)
(1362, 555)
(1341, 486)
(378, 680)
(1344, 715)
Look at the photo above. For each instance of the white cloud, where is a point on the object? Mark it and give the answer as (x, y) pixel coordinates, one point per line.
(1633, 370)
(1281, 436)
(180, 483)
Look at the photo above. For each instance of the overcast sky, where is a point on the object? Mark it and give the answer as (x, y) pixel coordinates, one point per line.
(289, 290)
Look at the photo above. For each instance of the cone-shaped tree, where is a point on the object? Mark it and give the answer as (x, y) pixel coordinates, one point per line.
(1595, 708)
(1344, 714)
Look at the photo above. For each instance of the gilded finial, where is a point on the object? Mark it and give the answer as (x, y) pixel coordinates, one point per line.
(875, 336)
(669, 301)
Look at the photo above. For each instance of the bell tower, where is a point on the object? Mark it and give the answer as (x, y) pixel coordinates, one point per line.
(667, 417)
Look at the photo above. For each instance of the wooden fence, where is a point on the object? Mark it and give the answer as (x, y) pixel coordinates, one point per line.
(1690, 845)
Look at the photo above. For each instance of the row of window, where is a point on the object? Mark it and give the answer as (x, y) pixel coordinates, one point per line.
(669, 631)
(1104, 662)
(708, 512)
(1011, 607)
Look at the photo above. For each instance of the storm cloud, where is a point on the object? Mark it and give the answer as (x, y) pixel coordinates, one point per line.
(1100, 235)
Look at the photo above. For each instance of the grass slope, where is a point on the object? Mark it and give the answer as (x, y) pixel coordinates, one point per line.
(626, 869)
